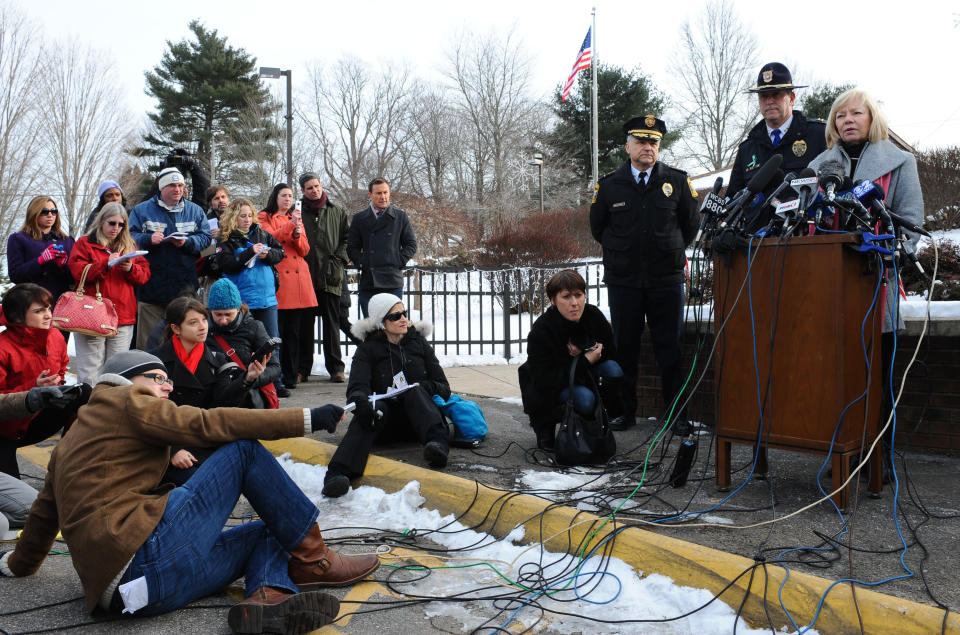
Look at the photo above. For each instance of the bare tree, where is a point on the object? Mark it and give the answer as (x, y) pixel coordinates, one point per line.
(714, 63)
(491, 76)
(86, 127)
(20, 76)
(358, 117)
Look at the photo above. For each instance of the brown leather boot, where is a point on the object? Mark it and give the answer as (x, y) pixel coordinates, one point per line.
(271, 610)
(313, 565)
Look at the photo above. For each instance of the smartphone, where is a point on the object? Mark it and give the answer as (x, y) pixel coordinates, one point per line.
(266, 349)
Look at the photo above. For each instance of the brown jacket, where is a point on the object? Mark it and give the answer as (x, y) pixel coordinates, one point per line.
(13, 405)
(103, 481)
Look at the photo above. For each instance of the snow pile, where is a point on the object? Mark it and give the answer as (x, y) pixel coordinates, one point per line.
(619, 594)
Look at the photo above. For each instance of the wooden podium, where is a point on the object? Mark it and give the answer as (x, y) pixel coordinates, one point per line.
(814, 292)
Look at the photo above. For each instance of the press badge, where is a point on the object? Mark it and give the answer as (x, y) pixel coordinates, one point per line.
(134, 594)
(399, 380)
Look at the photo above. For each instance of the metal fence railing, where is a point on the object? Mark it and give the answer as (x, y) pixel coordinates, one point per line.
(483, 311)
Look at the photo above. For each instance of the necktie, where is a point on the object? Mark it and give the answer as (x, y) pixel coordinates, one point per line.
(776, 137)
(642, 179)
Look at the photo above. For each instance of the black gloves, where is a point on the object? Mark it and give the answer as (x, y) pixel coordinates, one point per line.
(325, 418)
(364, 408)
(60, 397)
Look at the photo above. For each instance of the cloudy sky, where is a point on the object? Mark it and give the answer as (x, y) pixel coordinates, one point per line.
(903, 53)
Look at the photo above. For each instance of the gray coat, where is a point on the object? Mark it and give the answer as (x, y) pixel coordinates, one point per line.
(381, 247)
(903, 194)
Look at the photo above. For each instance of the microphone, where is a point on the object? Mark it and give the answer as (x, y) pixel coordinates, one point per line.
(759, 181)
(873, 193)
(831, 177)
(712, 207)
(805, 185)
(772, 199)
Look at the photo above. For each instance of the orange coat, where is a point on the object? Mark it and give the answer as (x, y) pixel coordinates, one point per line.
(296, 287)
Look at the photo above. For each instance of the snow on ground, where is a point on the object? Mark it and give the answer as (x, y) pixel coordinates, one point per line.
(621, 592)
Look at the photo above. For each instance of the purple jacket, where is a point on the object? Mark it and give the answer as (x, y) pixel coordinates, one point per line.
(22, 265)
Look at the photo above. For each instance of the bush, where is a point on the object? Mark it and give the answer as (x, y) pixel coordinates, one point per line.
(948, 272)
(539, 239)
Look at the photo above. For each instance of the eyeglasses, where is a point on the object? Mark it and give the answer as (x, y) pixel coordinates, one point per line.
(159, 379)
(393, 317)
(114, 223)
(52, 212)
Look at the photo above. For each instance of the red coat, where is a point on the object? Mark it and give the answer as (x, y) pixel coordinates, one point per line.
(24, 353)
(296, 287)
(115, 284)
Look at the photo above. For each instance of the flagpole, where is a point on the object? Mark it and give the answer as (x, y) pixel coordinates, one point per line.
(594, 125)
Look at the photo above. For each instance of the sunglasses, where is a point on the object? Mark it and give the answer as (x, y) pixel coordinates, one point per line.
(114, 223)
(393, 317)
(159, 379)
(52, 212)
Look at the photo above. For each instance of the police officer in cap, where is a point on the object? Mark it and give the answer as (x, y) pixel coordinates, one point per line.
(645, 215)
(783, 131)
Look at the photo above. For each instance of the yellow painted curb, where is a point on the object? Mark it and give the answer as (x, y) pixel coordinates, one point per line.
(686, 563)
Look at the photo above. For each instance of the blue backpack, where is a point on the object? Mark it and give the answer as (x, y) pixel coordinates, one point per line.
(470, 426)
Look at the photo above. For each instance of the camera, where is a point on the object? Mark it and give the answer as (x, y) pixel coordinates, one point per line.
(179, 158)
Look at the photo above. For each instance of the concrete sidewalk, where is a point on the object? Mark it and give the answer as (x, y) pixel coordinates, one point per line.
(495, 382)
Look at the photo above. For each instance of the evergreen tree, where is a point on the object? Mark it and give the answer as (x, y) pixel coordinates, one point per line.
(818, 99)
(621, 95)
(202, 88)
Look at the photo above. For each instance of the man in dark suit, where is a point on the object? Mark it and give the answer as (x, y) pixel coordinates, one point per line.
(380, 242)
(783, 131)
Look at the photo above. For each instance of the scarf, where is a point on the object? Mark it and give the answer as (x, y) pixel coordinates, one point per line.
(315, 206)
(190, 360)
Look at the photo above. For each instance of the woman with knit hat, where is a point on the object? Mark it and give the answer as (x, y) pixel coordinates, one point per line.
(234, 331)
(394, 354)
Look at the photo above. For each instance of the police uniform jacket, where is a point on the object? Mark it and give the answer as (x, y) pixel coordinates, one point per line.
(805, 139)
(644, 231)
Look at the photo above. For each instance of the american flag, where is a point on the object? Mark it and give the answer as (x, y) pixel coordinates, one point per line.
(582, 63)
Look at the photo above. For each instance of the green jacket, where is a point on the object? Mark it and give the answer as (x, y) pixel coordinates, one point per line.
(327, 235)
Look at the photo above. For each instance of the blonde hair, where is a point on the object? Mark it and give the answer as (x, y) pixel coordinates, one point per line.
(30, 225)
(878, 123)
(228, 220)
(123, 243)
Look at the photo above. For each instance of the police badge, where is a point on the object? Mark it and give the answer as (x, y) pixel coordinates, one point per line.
(650, 121)
(799, 147)
(767, 76)
(667, 189)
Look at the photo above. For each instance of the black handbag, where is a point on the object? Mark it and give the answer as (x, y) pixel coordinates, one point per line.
(582, 440)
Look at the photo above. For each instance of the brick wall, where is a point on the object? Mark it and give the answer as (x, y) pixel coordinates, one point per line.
(928, 417)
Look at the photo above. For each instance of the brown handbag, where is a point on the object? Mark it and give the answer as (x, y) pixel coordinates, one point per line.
(92, 315)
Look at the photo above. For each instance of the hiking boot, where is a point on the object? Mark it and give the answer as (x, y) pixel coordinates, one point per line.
(338, 377)
(271, 610)
(435, 454)
(313, 565)
(546, 438)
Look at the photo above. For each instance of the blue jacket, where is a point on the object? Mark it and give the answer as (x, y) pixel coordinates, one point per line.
(173, 269)
(257, 284)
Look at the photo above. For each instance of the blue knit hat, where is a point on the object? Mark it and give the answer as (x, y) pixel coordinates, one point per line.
(223, 294)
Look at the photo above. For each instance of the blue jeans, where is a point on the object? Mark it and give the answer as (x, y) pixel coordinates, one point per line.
(364, 295)
(189, 555)
(583, 397)
(268, 317)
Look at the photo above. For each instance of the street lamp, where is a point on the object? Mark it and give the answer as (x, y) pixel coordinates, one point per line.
(538, 161)
(270, 72)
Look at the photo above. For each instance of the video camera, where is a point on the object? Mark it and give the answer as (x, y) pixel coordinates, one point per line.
(180, 159)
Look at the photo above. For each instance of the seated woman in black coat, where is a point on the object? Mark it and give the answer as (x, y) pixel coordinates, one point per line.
(568, 329)
(394, 353)
(234, 330)
(201, 375)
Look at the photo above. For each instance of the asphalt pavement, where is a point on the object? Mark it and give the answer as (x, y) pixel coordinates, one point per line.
(928, 500)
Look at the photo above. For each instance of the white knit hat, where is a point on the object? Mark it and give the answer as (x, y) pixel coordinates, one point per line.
(169, 176)
(380, 305)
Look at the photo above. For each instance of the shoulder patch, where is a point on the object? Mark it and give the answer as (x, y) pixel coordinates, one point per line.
(596, 188)
(693, 192)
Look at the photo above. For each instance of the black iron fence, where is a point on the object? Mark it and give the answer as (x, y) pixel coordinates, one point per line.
(483, 311)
